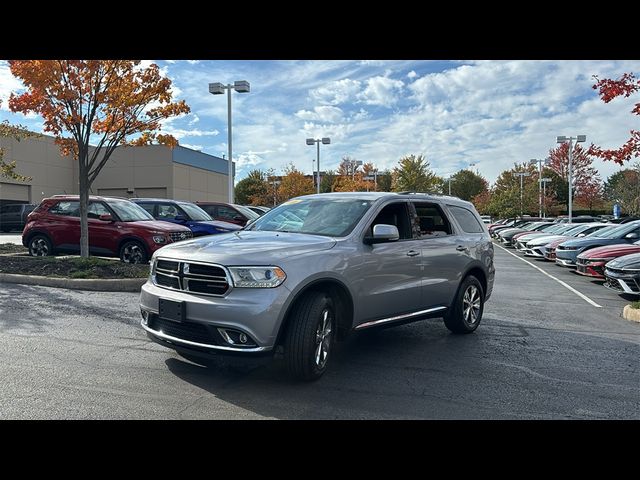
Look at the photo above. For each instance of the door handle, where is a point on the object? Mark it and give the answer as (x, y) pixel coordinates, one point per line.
(461, 248)
(412, 253)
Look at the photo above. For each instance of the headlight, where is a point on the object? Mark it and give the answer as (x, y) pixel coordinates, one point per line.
(159, 239)
(257, 277)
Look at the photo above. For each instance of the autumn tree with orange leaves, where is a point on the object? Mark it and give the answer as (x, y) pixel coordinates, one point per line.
(608, 90)
(106, 102)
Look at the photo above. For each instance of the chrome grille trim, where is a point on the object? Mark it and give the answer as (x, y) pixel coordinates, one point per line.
(179, 236)
(184, 277)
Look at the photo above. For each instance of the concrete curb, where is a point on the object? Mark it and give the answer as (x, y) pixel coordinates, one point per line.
(630, 313)
(100, 285)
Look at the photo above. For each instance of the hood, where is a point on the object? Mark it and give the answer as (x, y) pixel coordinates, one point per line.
(630, 262)
(545, 240)
(610, 251)
(525, 237)
(580, 243)
(246, 248)
(220, 224)
(158, 225)
(510, 232)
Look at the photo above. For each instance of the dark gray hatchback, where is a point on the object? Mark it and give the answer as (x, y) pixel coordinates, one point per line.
(316, 268)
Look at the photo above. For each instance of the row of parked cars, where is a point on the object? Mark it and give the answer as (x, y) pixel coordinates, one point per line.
(600, 250)
(131, 229)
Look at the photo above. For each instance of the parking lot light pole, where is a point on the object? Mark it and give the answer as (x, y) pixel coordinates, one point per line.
(241, 86)
(546, 161)
(522, 175)
(311, 141)
(578, 139)
(544, 182)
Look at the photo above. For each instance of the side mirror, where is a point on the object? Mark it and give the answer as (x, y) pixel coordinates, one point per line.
(180, 218)
(383, 233)
(631, 236)
(106, 217)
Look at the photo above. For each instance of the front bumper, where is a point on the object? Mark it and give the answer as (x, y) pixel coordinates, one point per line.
(621, 282)
(565, 262)
(594, 270)
(534, 252)
(257, 312)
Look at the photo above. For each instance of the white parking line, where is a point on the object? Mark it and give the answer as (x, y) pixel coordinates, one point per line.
(581, 295)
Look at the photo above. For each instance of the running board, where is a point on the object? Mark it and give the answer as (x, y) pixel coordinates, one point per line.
(400, 317)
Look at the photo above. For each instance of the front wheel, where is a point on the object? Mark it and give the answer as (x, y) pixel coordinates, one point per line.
(133, 252)
(309, 337)
(40, 246)
(466, 311)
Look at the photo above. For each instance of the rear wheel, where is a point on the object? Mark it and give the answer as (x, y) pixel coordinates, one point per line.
(309, 338)
(466, 311)
(40, 246)
(133, 252)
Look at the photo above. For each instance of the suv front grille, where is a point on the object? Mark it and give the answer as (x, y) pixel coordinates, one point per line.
(179, 236)
(200, 278)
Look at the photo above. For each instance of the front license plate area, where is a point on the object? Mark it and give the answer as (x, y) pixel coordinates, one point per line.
(172, 310)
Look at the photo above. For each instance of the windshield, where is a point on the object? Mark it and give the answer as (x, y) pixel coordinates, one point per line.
(620, 230)
(247, 212)
(319, 216)
(603, 231)
(195, 212)
(129, 211)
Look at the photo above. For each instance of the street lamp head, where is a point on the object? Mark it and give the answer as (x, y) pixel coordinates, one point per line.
(545, 179)
(310, 141)
(561, 139)
(581, 138)
(533, 161)
(326, 140)
(216, 88)
(241, 86)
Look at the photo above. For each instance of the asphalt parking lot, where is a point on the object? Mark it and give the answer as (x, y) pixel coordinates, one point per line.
(541, 352)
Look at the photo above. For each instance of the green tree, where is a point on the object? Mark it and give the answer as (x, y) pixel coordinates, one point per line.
(253, 189)
(505, 196)
(623, 187)
(466, 184)
(327, 181)
(385, 179)
(414, 174)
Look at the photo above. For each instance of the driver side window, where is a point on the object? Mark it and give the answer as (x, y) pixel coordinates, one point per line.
(394, 214)
(167, 211)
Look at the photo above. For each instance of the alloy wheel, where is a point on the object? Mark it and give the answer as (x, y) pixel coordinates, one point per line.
(323, 338)
(471, 304)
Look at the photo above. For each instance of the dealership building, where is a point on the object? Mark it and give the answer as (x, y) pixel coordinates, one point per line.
(148, 171)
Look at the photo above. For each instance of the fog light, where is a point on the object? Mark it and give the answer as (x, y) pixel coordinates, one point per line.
(234, 337)
(243, 338)
(145, 316)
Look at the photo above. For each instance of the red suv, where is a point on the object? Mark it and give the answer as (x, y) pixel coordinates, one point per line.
(117, 227)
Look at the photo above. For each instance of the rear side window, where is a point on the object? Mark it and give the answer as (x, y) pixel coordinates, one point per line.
(68, 209)
(167, 211)
(148, 207)
(466, 219)
(431, 221)
(227, 213)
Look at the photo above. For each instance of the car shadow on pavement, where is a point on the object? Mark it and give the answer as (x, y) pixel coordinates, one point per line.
(375, 374)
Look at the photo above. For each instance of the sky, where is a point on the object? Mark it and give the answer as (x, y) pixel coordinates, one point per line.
(455, 113)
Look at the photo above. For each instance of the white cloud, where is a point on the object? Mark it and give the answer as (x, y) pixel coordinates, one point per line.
(192, 147)
(193, 62)
(412, 74)
(381, 90)
(8, 84)
(337, 92)
(195, 119)
(181, 133)
(325, 113)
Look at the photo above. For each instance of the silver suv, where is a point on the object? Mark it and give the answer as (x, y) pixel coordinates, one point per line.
(317, 268)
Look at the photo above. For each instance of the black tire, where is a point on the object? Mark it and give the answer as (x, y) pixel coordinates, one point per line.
(133, 251)
(40, 246)
(461, 317)
(310, 336)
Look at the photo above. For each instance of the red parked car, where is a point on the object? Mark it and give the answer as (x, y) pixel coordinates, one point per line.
(591, 263)
(117, 227)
